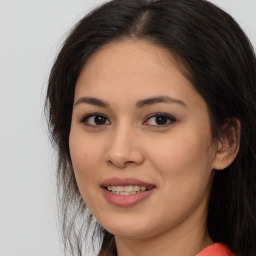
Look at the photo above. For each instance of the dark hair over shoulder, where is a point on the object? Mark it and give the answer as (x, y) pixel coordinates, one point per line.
(215, 56)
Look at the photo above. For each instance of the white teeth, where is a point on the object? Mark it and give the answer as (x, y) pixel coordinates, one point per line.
(126, 190)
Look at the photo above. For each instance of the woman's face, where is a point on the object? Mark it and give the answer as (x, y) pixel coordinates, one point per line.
(140, 142)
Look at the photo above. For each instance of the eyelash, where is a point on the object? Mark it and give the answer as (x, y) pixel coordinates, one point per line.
(86, 117)
(170, 119)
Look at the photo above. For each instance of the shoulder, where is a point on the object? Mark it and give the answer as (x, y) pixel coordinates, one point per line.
(216, 249)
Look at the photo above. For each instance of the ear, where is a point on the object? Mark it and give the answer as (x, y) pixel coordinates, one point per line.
(227, 144)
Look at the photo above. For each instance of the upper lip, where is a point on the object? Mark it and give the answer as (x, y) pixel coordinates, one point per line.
(116, 181)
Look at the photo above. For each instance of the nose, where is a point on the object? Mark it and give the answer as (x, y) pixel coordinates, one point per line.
(124, 149)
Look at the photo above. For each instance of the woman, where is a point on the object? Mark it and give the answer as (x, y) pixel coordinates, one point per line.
(152, 106)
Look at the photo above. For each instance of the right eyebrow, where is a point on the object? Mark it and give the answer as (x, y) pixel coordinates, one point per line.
(92, 101)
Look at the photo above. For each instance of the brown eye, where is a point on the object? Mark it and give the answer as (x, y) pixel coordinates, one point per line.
(100, 120)
(160, 120)
(95, 120)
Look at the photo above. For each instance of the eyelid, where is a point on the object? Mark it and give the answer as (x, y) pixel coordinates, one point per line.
(171, 118)
(87, 116)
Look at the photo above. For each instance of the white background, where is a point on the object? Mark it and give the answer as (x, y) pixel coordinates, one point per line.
(31, 33)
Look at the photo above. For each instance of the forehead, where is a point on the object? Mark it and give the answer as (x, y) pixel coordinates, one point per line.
(130, 56)
(136, 68)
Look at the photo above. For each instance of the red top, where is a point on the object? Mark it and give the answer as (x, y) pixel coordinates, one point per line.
(216, 249)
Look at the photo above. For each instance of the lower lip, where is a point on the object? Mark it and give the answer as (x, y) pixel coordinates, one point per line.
(126, 200)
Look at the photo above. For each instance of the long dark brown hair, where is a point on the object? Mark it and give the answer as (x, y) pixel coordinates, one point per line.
(219, 61)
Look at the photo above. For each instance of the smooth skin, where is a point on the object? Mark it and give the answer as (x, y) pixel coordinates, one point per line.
(166, 142)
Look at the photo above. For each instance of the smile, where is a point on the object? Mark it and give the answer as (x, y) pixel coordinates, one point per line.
(127, 190)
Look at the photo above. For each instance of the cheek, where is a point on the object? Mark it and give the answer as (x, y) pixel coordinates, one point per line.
(184, 164)
(85, 156)
(186, 159)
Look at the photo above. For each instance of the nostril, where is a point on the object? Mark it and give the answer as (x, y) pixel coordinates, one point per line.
(120, 164)
(129, 163)
(109, 162)
(121, 160)
(115, 163)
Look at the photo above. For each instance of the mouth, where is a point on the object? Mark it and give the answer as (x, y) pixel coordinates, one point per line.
(127, 190)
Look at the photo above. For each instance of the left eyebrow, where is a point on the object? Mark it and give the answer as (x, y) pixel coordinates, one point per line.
(160, 99)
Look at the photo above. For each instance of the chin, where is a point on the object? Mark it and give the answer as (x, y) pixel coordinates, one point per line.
(128, 227)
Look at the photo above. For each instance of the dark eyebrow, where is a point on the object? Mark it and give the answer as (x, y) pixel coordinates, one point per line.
(160, 99)
(139, 104)
(92, 101)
